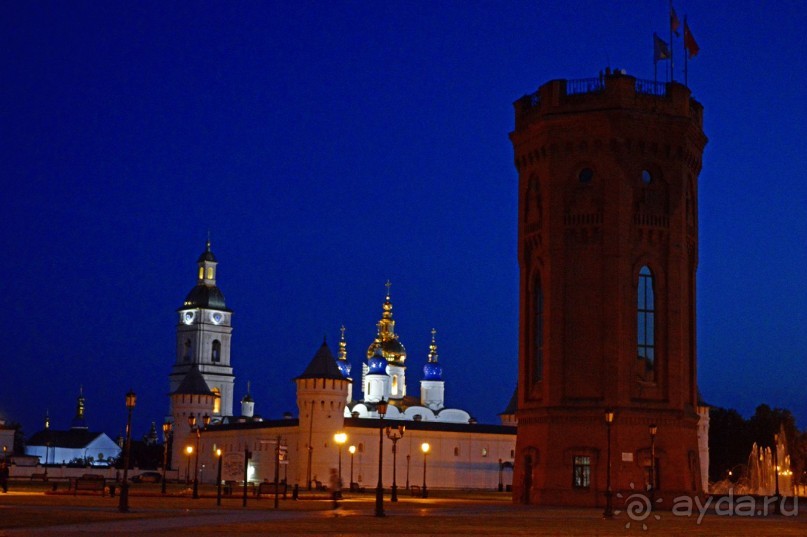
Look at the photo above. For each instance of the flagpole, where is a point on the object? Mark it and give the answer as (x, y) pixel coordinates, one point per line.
(686, 56)
(672, 47)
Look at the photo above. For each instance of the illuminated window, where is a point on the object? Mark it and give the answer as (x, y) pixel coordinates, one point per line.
(395, 384)
(581, 477)
(215, 355)
(209, 273)
(201, 273)
(645, 326)
(216, 401)
(538, 330)
(484, 452)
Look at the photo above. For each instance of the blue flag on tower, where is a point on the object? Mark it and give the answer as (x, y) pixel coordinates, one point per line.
(661, 50)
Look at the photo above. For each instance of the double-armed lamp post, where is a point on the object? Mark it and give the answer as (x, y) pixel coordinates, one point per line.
(395, 434)
(123, 505)
(381, 408)
(192, 423)
(166, 437)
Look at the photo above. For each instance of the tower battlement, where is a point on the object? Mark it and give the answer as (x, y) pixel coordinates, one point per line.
(607, 92)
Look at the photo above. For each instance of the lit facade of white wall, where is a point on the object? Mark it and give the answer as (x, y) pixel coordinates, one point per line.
(460, 457)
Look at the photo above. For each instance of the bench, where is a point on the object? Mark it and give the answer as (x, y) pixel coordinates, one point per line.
(90, 483)
(414, 490)
(269, 488)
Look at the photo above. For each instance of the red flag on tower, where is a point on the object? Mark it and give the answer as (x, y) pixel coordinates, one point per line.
(675, 24)
(690, 45)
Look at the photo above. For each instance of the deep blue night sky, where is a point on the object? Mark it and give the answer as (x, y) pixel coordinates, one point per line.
(330, 146)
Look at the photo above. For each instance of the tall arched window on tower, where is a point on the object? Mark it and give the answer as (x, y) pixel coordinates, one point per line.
(216, 400)
(186, 353)
(538, 330)
(215, 355)
(646, 326)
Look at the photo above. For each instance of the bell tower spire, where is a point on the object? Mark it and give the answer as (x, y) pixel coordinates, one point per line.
(204, 332)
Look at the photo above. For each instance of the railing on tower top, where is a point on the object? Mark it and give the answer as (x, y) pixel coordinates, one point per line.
(584, 86)
(651, 87)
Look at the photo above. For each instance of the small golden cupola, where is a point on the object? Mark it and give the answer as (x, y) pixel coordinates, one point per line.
(391, 347)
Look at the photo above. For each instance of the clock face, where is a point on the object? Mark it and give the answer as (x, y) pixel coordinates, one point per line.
(187, 317)
(216, 317)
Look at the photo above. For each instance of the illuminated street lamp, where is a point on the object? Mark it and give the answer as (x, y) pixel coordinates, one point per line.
(352, 451)
(192, 423)
(381, 407)
(424, 447)
(395, 434)
(123, 506)
(166, 436)
(218, 478)
(189, 452)
(609, 507)
(340, 438)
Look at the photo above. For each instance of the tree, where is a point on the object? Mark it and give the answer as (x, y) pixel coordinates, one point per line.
(729, 443)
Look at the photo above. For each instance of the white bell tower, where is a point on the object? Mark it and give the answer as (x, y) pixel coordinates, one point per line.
(204, 331)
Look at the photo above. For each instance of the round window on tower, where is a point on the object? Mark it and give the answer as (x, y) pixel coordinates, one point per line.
(586, 175)
(647, 177)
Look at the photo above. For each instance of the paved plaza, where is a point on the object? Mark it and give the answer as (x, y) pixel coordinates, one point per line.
(25, 512)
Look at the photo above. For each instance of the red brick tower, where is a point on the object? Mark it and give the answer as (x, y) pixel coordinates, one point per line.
(608, 249)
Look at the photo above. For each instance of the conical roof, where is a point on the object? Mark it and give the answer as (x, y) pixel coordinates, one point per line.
(322, 366)
(512, 406)
(193, 384)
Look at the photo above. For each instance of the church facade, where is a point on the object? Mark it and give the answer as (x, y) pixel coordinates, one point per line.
(608, 250)
(459, 453)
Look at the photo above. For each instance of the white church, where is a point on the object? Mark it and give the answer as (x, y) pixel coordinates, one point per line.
(332, 424)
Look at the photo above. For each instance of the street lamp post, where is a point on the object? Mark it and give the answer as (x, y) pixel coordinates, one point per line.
(166, 436)
(123, 506)
(408, 458)
(395, 434)
(189, 451)
(192, 423)
(776, 469)
(425, 448)
(609, 506)
(352, 450)
(653, 430)
(381, 407)
(340, 438)
(218, 478)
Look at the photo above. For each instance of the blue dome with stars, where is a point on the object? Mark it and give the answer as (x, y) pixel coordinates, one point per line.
(344, 367)
(432, 371)
(377, 364)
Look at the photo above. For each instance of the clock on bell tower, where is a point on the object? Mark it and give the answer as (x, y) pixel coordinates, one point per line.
(204, 331)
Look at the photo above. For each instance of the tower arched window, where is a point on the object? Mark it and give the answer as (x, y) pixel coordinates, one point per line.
(201, 273)
(216, 401)
(186, 352)
(538, 330)
(215, 354)
(395, 385)
(646, 326)
(209, 273)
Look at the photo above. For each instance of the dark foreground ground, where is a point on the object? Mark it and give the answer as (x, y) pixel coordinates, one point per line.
(28, 510)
